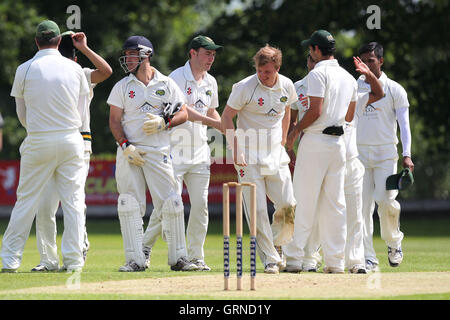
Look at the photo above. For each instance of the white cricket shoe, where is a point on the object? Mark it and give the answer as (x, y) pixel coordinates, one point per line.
(309, 268)
(271, 268)
(131, 267)
(183, 264)
(147, 253)
(358, 268)
(395, 256)
(282, 264)
(42, 268)
(202, 266)
(371, 266)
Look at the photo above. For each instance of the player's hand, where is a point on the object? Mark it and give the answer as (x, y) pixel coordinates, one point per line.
(360, 66)
(154, 124)
(134, 155)
(407, 163)
(293, 158)
(79, 40)
(292, 136)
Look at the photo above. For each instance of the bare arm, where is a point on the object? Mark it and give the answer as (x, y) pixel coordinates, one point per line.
(115, 123)
(103, 69)
(228, 127)
(211, 119)
(285, 124)
(180, 117)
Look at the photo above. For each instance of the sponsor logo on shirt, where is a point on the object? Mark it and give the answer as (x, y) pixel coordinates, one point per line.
(147, 107)
(131, 94)
(260, 102)
(241, 173)
(283, 99)
(189, 91)
(160, 92)
(209, 93)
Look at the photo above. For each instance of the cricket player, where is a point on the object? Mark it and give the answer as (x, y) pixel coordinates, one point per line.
(261, 103)
(143, 107)
(377, 147)
(320, 169)
(50, 92)
(312, 259)
(190, 150)
(45, 217)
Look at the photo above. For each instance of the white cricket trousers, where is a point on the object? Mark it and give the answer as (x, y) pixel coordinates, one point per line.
(319, 174)
(354, 247)
(276, 187)
(196, 177)
(46, 222)
(44, 156)
(156, 175)
(379, 163)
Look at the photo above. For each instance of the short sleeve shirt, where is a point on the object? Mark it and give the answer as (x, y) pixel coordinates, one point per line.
(137, 99)
(86, 115)
(261, 109)
(201, 96)
(300, 88)
(350, 128)
(337, 87)
(377, 122)
(51, 86)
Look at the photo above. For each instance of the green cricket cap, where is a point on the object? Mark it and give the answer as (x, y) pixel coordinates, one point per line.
(47, 29)
(203, 42)
(400, 181)
(321, 38)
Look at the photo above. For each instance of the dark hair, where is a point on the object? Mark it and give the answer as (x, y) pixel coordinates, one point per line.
(372, 46)
(327, 51)
(66, 48)
(46, 42)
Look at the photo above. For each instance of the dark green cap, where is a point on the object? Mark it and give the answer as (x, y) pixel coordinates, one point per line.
(203, 42)
(321, 38)
(47, 29)
(400, 181)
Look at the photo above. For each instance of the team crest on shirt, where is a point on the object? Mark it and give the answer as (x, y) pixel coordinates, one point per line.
(209, 93)
(189, 91)
(260, 102)
(272, 113)
(160, 92)
(241, 173)
(147, 107)
(131, 94)
(283, 99)
(165, 159)
(200, 106)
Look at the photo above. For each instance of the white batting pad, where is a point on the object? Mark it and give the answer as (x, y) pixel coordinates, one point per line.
(172, 213)
(131, 228)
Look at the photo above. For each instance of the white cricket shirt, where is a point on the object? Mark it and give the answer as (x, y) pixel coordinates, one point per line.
(377, 122)
(86, 115)
(337, 87)
(350, 128)
(190, 139)
(260, 112)
(137, 100)
(300, 88)
(51, 86)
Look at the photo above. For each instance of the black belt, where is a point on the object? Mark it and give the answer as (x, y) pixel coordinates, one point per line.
(334, 131)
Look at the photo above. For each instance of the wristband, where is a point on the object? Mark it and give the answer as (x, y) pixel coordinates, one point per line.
(124, 144)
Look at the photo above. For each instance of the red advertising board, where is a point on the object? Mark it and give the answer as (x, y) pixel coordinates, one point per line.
(101, 186)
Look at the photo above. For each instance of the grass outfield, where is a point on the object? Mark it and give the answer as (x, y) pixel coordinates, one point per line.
(424, 273)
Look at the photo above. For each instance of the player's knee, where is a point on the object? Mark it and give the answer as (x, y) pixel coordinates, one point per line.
(173, 206)
(127, 205)
(391, 208)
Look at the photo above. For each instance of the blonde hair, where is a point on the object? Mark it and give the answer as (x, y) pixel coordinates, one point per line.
(268, 54)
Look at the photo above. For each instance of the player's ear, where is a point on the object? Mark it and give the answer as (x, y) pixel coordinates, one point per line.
(381, 61)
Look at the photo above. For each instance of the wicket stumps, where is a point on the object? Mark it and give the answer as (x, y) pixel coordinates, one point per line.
(226, 233)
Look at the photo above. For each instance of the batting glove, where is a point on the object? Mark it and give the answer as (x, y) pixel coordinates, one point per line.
(134, 155)
(154, 124)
